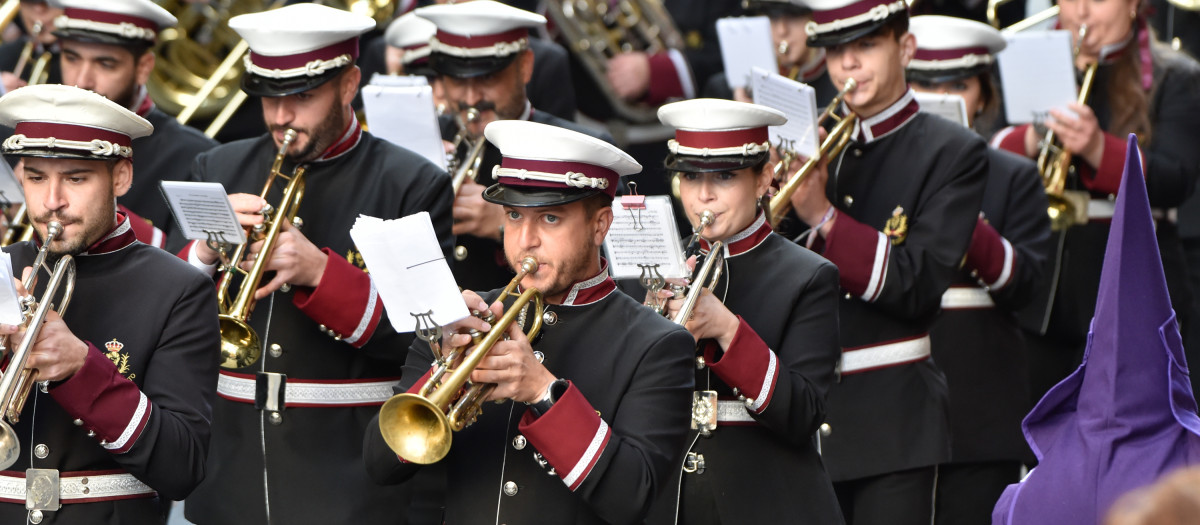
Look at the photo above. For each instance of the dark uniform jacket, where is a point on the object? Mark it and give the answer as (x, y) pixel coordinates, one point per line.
(1172, 165)
(783, 358)
(603, 451)
(479, 263)
(908, 190)
(142, 403)
(166, 154)
(303, 464)
(980, 348)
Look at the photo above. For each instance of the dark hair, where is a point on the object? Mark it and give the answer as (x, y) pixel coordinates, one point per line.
(596, 202)
(990, 97)
(895, 27)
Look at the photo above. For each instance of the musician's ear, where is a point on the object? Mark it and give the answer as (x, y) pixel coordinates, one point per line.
(908, 48)
(348, 86)
(122, 176)
(526, 61)
(602, 219)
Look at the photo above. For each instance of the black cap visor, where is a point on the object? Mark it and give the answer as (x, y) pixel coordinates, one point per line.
(531, 197)
(459, 67)
(281, 87)
(939, 76)
(697, 164)
(852, 33)
(775, 9)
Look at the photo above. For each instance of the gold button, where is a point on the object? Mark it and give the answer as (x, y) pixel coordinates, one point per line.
(460, 253)
(848, 200)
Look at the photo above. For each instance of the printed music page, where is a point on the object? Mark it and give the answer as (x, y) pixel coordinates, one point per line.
(10, 187)
(798, 101)
(405, 116)
(10, 304)
(408, 269)
(1038, 75)
(646, 236)
(381, 79)
(745, 44)
(202, 211)
(950, 107)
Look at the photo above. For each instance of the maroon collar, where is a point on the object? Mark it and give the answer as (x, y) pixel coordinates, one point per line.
(745, 240)
(143, 104)
(591, 290)
(889, 120)
(117, 239)
(814, 68)
(350, 138)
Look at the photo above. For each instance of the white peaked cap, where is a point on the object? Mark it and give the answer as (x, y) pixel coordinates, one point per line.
(52, 120)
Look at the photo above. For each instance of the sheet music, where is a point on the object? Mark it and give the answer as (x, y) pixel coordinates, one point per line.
(405, 116)
(381, 79)
(408, 269)
(657, 242)
(1038, 74)
(950, 107)
(202, 209)
(745, 44)
(10, 305)
(10, 189)
(798, 101)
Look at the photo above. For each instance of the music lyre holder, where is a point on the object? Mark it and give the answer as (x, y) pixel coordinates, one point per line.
(216, 242)
(430, 332)
(653, 281)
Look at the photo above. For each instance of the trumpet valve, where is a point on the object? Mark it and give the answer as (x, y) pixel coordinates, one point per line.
(297, 222)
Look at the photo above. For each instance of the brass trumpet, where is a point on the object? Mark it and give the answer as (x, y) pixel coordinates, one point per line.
(41, 66)
(467, 167)
(19, 229)
(18, 380)
(833, 145)
(708, 274)
(240, 345)
(1054, 162)
(419, 427)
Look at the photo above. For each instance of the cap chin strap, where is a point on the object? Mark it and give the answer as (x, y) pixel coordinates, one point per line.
(96, 147)
(745, 150)
(123, 29)
(499, 49)
(571, 179)
(311, 69)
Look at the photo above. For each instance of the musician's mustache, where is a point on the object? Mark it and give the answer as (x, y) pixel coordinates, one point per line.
(480, 106)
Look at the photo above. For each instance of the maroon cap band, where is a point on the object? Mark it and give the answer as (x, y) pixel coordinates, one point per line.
(557, 167)
(949, 54)
(109, 18)
(345, 47)
(60, 131)
(480, 41)
(721, 139)
(854, 9)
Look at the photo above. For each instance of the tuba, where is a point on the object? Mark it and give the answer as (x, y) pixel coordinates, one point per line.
(833, 145)
(597, 30)
(706, 276)
(240, 345)
(1054, 162)
(17, 380)
(419, 427)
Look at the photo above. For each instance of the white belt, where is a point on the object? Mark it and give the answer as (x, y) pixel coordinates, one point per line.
(81, 488)
(733, 411)
(881, 356)
(966, 297)
(300, 393)
(1104, 209)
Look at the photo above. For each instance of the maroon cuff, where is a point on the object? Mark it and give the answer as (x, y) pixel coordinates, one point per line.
(1107, 179)
(144, 231)
(665, 83)
(186, 251)
(571, 436)
(344, 302)
(1012, 139)
(860, 253)
(990, 258)
(110, 406)
(748, 365)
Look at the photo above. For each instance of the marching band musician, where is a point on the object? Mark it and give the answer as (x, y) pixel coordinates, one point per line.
(976, 340)
(796, 60)
(34, 15)
(1141, 86)
(288, 430)
(895, 212)
(767, 334)
(595, 411)
(481, 53)
(99, 53)
(121, 426)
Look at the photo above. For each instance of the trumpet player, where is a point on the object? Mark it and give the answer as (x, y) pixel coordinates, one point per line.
(976, 340)
(119, 426)
(481, 54)
(102, 55)
(329, 354)
(895, 212)
(594, 413)
(767, 334)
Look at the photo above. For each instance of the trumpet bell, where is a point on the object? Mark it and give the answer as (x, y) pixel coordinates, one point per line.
(240, 346)
(1062, 213)
(415, 429)
(10, 447)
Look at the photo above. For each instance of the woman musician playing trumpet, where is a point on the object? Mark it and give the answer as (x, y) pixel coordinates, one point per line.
(767, 334)
(1140, 86)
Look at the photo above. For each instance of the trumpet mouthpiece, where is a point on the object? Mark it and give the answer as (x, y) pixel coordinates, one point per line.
(706, 218)
(289, 136)
(53, 230)
(850, 85)
(529, 265)
(472, 114)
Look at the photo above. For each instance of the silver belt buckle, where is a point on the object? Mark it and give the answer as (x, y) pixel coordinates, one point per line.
(693, 463)
(42, 489)
(704, 411)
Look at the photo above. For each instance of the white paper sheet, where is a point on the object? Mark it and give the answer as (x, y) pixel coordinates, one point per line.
(405, 116)
(1038, 75)
(796, 100)
(380, 79)
(202, 210)
(10, 188)
(950, 107)
(648, 237)
(408, 269)
(10, 305)
(745, 44)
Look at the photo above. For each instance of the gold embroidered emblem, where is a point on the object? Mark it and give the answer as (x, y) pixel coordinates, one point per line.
(896, 227)
(694, 39)
(356, 259)
(114, 349)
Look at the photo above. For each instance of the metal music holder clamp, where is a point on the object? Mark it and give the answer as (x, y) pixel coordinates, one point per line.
(653, 282)
(216, 242)
(634, 201)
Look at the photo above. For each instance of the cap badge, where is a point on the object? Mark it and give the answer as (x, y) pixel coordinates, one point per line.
(896, 227)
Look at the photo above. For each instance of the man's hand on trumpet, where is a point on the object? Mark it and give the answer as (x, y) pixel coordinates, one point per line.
(510, 365)
(56, 354)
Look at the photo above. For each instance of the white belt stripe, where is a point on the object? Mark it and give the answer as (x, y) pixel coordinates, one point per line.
(1006, 273)
(730, 411)
(1105, 208)
(588, 455)
(885, 354)
(367, 315)
(963, 298)
(156, 238)
(878, 269)
(71, 488)
(142, 408)
(767, 382)
(332, 394)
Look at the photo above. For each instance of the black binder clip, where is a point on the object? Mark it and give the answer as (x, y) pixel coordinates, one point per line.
(632, 201)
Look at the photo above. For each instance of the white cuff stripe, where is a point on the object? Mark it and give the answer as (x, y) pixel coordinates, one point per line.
(768, 383)
(685, 74)
(1000, 136)
(1006, 273)
(369, 313)
(157, 239)
(142, 411)
(878, 269)
(194, 260)
(582, 466)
